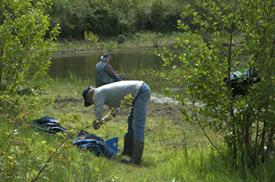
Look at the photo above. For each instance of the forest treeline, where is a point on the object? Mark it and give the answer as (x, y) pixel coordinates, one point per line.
(110, 18)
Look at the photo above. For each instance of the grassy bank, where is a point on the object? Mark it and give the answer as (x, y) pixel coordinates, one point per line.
(175, 150)
(143, 40)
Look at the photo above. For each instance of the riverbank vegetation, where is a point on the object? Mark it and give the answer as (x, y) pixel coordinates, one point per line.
(211, 135)
(137, 41)
(115, 18)
(103, 25)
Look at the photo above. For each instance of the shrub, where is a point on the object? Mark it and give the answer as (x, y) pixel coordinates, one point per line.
(91, 37)
(199, 61)
(26, 42)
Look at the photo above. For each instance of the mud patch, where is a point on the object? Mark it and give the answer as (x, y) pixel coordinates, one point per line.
(160, 99)
(159, 106)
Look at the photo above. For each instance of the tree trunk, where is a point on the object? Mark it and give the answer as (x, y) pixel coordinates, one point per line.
(231, 98)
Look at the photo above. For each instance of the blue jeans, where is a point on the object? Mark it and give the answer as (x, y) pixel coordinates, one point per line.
(137, 116)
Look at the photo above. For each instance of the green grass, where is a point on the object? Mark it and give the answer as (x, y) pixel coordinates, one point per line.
(175, 150)
(140, 40)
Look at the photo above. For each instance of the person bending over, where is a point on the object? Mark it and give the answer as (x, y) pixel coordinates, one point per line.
(111, 95)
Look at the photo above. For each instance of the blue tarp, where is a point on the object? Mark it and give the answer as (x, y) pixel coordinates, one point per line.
(97, 145)
(48, 124)
(84, 140)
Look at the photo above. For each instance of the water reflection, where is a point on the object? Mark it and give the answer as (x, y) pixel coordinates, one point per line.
(83, 66)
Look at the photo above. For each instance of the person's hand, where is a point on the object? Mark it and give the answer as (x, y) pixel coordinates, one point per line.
(108, 117)
(97, 124)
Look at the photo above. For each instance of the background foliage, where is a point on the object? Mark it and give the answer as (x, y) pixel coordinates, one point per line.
(109, 18)
(224, 37)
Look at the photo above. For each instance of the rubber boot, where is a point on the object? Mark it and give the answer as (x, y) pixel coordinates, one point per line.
(128, 145)
(137, 152)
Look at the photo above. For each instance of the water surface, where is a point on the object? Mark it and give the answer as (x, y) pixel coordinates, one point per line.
(125, 62)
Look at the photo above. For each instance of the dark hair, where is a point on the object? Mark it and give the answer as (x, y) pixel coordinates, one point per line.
(106, 55)
(84, 95)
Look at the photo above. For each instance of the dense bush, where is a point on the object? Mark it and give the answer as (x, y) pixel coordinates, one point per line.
(26, 42)
(229, 36)
(111, 18)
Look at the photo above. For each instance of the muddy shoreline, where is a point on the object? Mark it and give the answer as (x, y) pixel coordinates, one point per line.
(159, 106)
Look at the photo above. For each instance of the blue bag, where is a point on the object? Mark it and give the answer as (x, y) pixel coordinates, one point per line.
(47, 124)
(96, 144)
(239, 81)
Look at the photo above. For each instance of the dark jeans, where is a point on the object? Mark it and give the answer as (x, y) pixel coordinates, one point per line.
(137, 116)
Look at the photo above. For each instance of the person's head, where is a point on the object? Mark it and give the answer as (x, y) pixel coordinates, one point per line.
(105, 57)
(87, 95)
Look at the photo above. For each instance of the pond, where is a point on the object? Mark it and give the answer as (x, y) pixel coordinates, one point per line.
(130, 63)
(83, 66)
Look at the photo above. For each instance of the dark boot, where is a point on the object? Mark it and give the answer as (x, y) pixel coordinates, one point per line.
(128, 145)
(137, 152)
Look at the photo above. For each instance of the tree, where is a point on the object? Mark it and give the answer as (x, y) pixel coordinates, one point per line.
(222, 37)
(26, 42)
